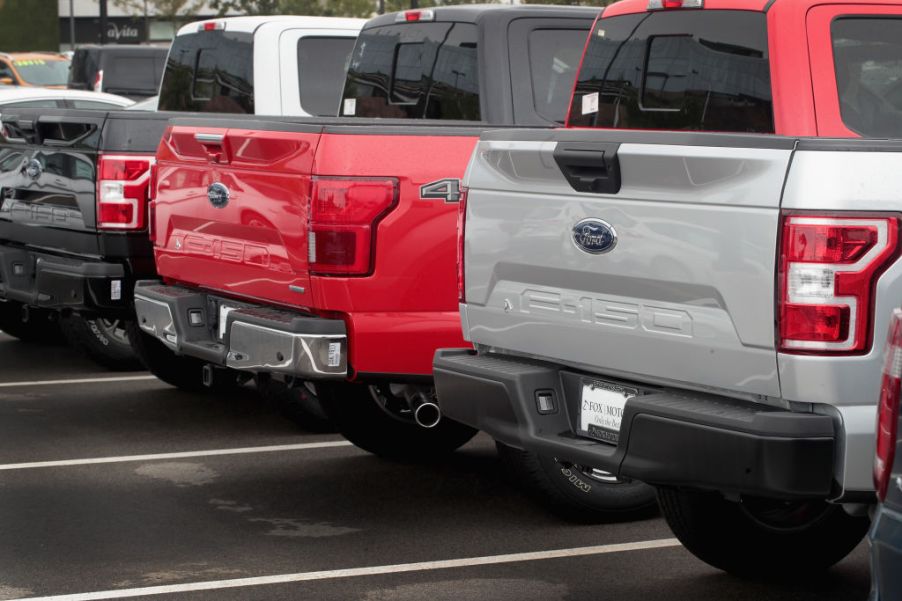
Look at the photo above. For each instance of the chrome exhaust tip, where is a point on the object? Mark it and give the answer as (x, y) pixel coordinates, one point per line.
(427, 415)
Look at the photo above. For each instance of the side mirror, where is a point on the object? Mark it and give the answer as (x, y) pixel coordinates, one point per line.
(7, 81)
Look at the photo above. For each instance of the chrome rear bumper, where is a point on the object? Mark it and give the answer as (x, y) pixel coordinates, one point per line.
(241, 335)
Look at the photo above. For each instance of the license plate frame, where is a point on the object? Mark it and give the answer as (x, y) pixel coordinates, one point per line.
(601, 406)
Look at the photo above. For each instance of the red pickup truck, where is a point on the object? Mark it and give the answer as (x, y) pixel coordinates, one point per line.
(321, 253)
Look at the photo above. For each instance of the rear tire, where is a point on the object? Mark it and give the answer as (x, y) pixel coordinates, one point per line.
(29, 324)
(353, 410)
(575, 493)
(185, 373)
(106, 342)
(297, 403)
(762, 537)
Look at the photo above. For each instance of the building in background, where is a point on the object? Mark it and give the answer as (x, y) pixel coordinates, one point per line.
(128, 21)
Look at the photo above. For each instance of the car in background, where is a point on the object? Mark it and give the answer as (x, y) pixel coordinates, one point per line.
(127, 70)
(886, 532)
(18, 97)
(38, 69)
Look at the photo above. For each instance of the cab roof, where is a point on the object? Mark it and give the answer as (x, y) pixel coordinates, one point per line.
(474, 13)
(628, 7)
(251, 24)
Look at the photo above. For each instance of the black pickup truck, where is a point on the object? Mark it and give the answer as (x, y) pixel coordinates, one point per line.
(74, 187)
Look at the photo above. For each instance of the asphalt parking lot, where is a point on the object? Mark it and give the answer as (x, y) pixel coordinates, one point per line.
(118, 486)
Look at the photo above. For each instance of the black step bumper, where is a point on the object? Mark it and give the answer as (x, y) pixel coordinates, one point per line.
(667, 437)
(57, 282)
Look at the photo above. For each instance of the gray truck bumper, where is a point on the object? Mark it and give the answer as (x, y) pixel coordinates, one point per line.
(240, 335)
(666, 438)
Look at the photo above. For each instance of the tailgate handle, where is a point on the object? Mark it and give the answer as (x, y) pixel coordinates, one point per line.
(215, 146)
(589, 166)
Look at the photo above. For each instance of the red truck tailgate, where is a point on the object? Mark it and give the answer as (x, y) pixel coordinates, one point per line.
(231, 210)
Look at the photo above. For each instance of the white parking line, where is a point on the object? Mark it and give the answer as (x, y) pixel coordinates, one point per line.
(355, 572)
(157, 456)
(76, 381)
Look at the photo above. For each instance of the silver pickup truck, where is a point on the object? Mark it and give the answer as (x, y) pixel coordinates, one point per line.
(697, 310)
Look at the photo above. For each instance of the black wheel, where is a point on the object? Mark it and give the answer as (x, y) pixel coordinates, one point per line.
(377, 421)
(185, 373)
(103, 340)
(577, 493)
(762, 537)
(299, 403)
(29, 324)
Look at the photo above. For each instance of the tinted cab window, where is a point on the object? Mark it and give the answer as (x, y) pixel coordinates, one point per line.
(422, 70)
(322, 64)
(868, 57)
(680, 70)
(211, 72)
(136, 75)
(554, 56)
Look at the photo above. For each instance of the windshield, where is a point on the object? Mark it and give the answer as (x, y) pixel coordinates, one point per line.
(43, 72)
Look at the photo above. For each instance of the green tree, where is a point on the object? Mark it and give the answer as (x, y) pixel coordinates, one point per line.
(248, 7)
(30, 25)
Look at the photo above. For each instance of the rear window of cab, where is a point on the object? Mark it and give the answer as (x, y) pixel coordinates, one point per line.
(867, 53)
(414, 71)
(677, 70)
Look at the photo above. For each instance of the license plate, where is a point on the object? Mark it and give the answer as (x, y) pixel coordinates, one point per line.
(223, 319)
(601, 410)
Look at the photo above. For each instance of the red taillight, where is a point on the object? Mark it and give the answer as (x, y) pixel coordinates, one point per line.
(828, 268)
(344, 213)
(98, 81)
(461, 234)
(888, 408)
(414, 16)
(211, 26)
(667, 4)
(123, 186)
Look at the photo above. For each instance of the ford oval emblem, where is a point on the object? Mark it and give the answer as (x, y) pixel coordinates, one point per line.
(594, 236)
(218, 195)
(34, 169)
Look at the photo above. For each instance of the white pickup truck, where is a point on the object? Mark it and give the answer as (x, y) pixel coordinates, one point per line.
(697, 309)
(282, 65)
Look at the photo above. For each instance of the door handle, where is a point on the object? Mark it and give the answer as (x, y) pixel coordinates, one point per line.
(214, 145)
(589, 166)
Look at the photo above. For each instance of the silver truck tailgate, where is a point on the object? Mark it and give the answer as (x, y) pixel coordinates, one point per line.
(685, 296)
